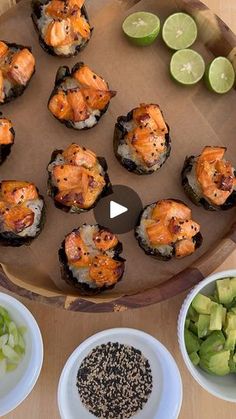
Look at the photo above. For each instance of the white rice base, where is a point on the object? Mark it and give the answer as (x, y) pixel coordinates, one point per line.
(165, 250)
(126, 152)
(82, 274)
(43, 23)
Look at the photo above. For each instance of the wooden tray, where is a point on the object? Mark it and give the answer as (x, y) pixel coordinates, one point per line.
(158, 280)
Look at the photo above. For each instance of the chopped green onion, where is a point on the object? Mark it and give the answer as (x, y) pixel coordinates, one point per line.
(12, 344)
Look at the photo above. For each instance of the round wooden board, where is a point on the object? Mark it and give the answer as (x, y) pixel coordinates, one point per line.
(222, 41)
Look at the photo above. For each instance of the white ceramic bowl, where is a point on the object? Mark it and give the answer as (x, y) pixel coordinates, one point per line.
(222, 387)
(16, 385)
(166, 397)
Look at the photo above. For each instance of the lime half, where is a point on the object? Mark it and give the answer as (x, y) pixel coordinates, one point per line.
(220, 75)
(187, 66)
(141, 28)
(179, 31)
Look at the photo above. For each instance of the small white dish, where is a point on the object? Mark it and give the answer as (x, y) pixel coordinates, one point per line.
(16, 385)
(166, 397)
(221, 387)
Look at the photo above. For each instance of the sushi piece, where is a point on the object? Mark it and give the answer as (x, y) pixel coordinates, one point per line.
(142, 142)
(90, 259)
(166, 229)
(17, 66)
(77, 179)
(62, 25)
(22, 212)
(7, 136)
(80, 97)
(210, 180)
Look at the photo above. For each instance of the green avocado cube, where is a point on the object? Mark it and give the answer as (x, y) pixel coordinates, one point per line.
(225, 291)
(215, 342)
(193, 328)
(231, 340)
(187, 321)
(233, 285)
(230, 323)
(192, 314)
(192, 342)
(216, 362)
(216, 317)
(203, 325)
(202, 304)
(232, 363)
(194, 357)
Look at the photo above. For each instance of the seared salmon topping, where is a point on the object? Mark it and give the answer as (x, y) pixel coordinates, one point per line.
(17, 66)
(6, 132)
(15, 212)
(90, 94)
(147, 137)
(66, 26)
(95, 260)
(78, 177)
(171, 224)
(215, 175)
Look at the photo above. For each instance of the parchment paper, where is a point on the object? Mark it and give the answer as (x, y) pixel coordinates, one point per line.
(196, 118)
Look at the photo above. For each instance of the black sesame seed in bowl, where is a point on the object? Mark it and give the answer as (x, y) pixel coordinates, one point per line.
(114, 381)
(120, 373)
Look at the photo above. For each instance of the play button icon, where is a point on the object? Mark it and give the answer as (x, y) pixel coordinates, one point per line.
(116, 209)
(119, 211)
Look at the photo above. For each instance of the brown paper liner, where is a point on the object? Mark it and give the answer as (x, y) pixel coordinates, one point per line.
(196, 118)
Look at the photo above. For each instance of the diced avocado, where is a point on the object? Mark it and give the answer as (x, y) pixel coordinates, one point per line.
(214, 343)
(233, 309)
(224, 312)
(216, 363)
(187, 321)
(203, 325)
(216, 317)
(193, 328)
(214, 297)
(202, 304)
(225, 291)
(191, 341)
(232, 363)
(231, 340)
(234, 358)
(233, 285)
(230, 323)
(194, 357)
(192, 314)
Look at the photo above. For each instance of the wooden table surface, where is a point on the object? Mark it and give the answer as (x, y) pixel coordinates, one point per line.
(63, 331)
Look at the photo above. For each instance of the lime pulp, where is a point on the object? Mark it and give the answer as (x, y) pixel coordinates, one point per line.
(220, 75)
(187, 66)
(141, 28)
(179, 31)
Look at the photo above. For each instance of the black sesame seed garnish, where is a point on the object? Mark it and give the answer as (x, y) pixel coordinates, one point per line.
(114, 381)
(94, 76)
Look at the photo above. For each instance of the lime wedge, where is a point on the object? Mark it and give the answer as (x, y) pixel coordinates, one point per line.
(187, 66)
(220, 75)
(141, 28)
(179, 31)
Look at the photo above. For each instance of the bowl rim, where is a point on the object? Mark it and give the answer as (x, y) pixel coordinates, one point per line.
(149, 339)
(181, 324)
(37, 342)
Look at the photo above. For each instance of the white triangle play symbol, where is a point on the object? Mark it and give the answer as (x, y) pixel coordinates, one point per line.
(116, 209)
